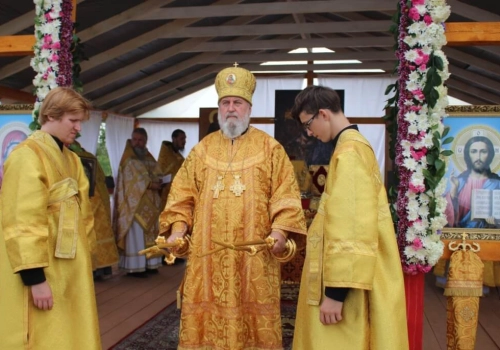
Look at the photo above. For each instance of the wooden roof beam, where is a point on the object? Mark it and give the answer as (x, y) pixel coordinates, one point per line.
(471, 60)
(332, 43)
(89, 33)
(477, 79)
(126, 106)
(475, 100)
(472, 33)
(276, 8)
(141, 40)
(16, 95)
(472, 12)
(362, 56)
(153, 59)
(281, 29)
(468, 89)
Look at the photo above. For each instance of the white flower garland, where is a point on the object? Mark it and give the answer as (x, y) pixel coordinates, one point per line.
(46, 59)
(422, 208)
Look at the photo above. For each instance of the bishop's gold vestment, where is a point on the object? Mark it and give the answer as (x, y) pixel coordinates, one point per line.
(231, 300)
(47, 223)
(351, 243)
(169, 161)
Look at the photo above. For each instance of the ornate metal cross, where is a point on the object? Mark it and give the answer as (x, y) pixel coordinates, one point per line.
(237, 187)
(219, 186)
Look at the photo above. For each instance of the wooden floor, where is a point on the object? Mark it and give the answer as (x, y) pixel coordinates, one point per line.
(124, 303)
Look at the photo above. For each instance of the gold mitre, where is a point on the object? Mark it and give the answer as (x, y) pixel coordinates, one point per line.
(235, 81)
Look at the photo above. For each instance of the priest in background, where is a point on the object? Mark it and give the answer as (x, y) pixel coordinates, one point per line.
(137, 206)
(105, 254)
(236, 185)
(47, 296)
(170, 160)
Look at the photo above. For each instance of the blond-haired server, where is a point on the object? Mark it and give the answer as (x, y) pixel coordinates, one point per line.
(47, 297)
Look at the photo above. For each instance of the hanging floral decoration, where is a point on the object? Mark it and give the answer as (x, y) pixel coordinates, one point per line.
(415, 117)
(52, 61)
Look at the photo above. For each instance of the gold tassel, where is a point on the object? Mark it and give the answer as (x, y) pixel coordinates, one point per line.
(179, 299)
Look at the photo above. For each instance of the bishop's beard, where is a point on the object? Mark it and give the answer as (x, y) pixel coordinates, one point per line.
(233, 126)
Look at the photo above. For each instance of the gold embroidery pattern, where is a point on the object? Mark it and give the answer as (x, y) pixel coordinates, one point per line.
(351, 247)
(229, 298)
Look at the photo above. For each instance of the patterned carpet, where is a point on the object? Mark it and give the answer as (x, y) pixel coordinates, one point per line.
(161, 332)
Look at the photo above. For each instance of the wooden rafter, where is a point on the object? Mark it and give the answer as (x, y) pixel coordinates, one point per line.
(239, 45)
(276, 8)
(89, 33)
(281, 29)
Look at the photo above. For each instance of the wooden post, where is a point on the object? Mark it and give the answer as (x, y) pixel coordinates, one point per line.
(310, 75)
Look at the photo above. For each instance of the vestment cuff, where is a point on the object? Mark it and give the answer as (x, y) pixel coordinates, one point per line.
(281, 232)
(34, 276)
(179, 227)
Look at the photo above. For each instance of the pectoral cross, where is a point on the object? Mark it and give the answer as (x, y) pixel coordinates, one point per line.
(237, 187)
(219, 186)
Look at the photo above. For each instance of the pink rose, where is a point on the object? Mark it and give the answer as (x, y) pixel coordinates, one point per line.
(427, 19)
(413, 14)
(417, 244)
(416, 189)
(418, 2)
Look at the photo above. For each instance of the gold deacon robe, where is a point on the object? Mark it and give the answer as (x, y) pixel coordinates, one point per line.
(47, 223)
(105, 253)
(169, 161)
(230, 299)
(351, 243)
(133, 200)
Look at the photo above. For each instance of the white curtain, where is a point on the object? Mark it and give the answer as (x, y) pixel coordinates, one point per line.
(265, 91)
(162, 131)
(118, 130)
(268, 128)
(90, 132)
(364, 97)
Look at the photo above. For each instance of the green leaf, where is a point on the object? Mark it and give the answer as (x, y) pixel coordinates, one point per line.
(439, 164)
(447, 153)
(445, 131)
(438, 62)
(390, 88)
(447, 140)
(433, 97)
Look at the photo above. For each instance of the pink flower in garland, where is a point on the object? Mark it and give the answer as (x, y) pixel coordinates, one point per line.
(413, 14)
(418, 154)
(417, 244)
